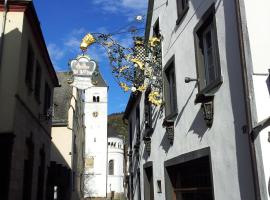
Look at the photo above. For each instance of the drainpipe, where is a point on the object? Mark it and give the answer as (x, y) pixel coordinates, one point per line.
(247, 101)
(3, 31)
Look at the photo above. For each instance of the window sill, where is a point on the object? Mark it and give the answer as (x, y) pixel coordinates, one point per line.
(181, 15)
(204, 97)
(207, 93)
(169, 120)
(148, 131)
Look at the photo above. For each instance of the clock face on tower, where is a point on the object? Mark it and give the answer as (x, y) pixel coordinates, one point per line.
(95, 114)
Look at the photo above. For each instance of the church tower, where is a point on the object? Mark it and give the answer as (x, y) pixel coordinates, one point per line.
(96, 99)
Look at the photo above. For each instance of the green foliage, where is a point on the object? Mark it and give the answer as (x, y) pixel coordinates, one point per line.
(116, 122)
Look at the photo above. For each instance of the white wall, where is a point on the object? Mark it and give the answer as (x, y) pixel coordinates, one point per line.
(60, 149)
(96, 140)
(116, 153)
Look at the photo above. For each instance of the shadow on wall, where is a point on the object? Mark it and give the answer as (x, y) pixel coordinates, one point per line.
(165, 143)
(268, 83)
(185, 105)
(246, 186)
(158, 114)
(59, 177)
(198, 125)
(57, 157)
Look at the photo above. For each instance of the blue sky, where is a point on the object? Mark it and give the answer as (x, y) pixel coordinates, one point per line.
(64, 23)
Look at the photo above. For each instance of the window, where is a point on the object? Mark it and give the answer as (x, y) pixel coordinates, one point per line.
(139, 184)
(147, 110)
(95, 98)
(41, 173)
(29, 67)
(148, 181)
(47, 99)
(170, 89)
(37, 82)
(159, 189)
(73, 181)
(156, 30)
(189, 177)
(74, 145)
(111, 167)
(207, 56)
(130, 132)
(6, 147)
(28, 170)
(138, 130)
(182, 8)
(156, 33)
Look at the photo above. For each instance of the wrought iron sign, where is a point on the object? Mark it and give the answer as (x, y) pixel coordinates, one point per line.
(84, 70)
(134, 69)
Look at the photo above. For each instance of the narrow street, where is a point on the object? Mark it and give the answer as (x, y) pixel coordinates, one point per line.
(135, 100)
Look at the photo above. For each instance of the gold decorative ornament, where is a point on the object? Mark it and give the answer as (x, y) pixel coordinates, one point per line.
(155, 98)
(87, 41)
(123, 68)
(128, 56)
(124, 86)
(139, 63)
(154, 41)
(138, 42)
(108, 44)
(142, 88)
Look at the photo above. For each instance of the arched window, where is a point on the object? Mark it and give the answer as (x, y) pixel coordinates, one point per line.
(111, 167)
(95, 98)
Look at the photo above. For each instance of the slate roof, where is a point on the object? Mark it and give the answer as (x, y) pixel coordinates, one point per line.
(61, 98)
(99, 79)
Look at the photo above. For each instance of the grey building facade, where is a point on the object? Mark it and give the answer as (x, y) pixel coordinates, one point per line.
(197, 145)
